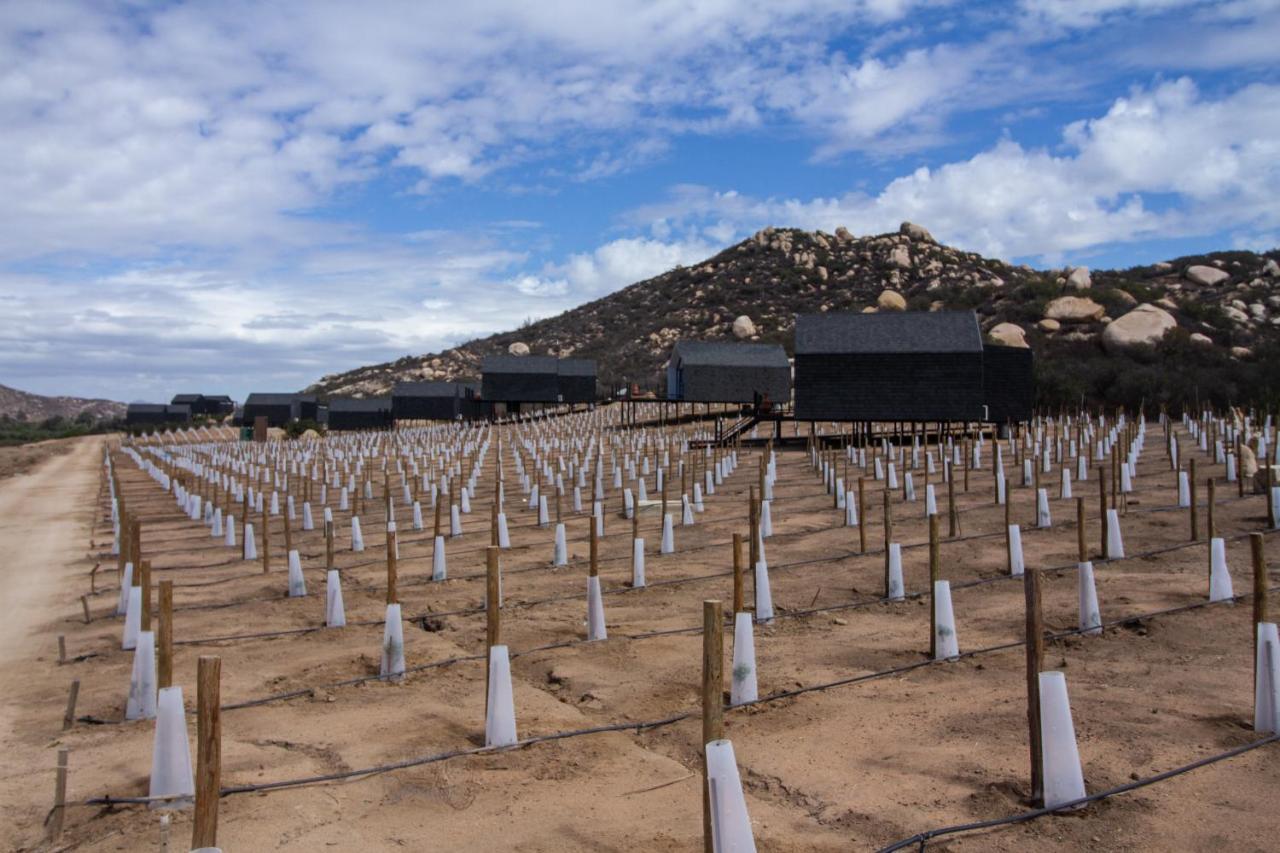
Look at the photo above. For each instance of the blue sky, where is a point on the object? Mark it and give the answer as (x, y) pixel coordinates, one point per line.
(238, 196)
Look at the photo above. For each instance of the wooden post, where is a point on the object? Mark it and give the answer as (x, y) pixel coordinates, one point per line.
(1191, 488)
(62, 648)
(266, 539)
(1082, 551)
(435, 534)
(493, 521)
(1035, 663)
(1209, 513)
(84, 605)
(164, 646)
(58, 815)
(753, 521)
(69, 716)
(204, 832)
(493, 615)
(144, 582)
(328, 545)
(391, 567)
(594, 549)
(1259, 587)
(935, 575)
(862, 515)
(888, 537)
(953, 516)
(738, 589)
(712, 699)
(1102, 508)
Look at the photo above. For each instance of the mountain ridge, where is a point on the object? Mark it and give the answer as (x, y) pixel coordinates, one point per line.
(1227, 305)
(24, 405)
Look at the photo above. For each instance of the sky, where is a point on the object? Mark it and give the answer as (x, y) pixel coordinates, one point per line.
(227, 197)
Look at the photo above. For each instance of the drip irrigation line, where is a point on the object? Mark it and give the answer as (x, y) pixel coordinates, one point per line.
(919, 840)
(647, 725)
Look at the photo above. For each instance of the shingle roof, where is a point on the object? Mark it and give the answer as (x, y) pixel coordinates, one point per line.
(518, 364)
(576, 367)
(727, 354)
(888, 332)
(269, 398)
(428, 389)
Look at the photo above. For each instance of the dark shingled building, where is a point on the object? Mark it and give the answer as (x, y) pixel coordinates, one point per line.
(725, 372)
(890, 366)
(205, 404)
(433, 401)
(1008, 383)
(156, 414)
(537, 379)
(350, 413)
(576, 380)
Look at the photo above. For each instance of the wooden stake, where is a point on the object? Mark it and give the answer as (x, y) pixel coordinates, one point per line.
(391, 567)
(862, 515)
(594, 543)
(953, 516)
(888, 537)
(164, 646)
(144, 582)
(737, 573)
(204, 831)
(1035, 663)
(1191, 487)
(62, 649)
(266, 540)
(328, 545)
(712, 699)
(58, 815)
(935, 575)
(1082, 551)
(1212, 489)
(84, 605)
(69, 716)
(1102, 508)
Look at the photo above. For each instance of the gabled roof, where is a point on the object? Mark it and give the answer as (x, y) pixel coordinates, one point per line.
(270, 399)
(576, 367)
(729, 354)
(888, 332)
(518, 364)
(187, 398)
(218, 398)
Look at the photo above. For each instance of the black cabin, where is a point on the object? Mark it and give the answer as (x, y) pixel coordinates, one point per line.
(206, 404)
(899, 366)
(576, 380)
(278, 409)
(725, 372)
(1008, 382)
(432, 401)
(156, 414)
(350, 413)
(519, 379)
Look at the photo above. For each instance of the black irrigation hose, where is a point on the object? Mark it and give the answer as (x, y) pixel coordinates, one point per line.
(922, 838)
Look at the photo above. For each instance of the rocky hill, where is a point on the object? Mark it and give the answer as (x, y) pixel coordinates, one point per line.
(1225, 304)
(24, 406)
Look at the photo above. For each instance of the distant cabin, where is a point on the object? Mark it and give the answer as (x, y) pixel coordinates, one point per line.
(1008, 383)
(513, 380)
(890, 366)
(433, 401)
(281, 409)
(156, 414)
(728, 372)
(214, 405)
(349, 413)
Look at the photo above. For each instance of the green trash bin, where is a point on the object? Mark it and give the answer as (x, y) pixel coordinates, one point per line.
(246, 433)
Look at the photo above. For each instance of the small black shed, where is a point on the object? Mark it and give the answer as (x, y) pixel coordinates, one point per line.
(350, 413)
(576, 380)
(728, 372)
(898, 366)
(278, 409)
(1008, 382)
(431, 401)
(519, 379)
(156, 414)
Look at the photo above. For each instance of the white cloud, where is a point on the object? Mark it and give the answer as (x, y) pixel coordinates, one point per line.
(1161, 162)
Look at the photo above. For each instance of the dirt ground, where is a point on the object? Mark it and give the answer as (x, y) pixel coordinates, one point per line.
(21, 458)
(856, 766)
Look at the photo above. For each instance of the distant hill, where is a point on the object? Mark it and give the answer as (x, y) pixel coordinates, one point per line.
(22, 405)
(1224, 306)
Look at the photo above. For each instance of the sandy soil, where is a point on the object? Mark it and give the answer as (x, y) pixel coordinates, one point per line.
(853, 767)
(22, 458)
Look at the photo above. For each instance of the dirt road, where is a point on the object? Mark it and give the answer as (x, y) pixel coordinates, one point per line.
(44, 522)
